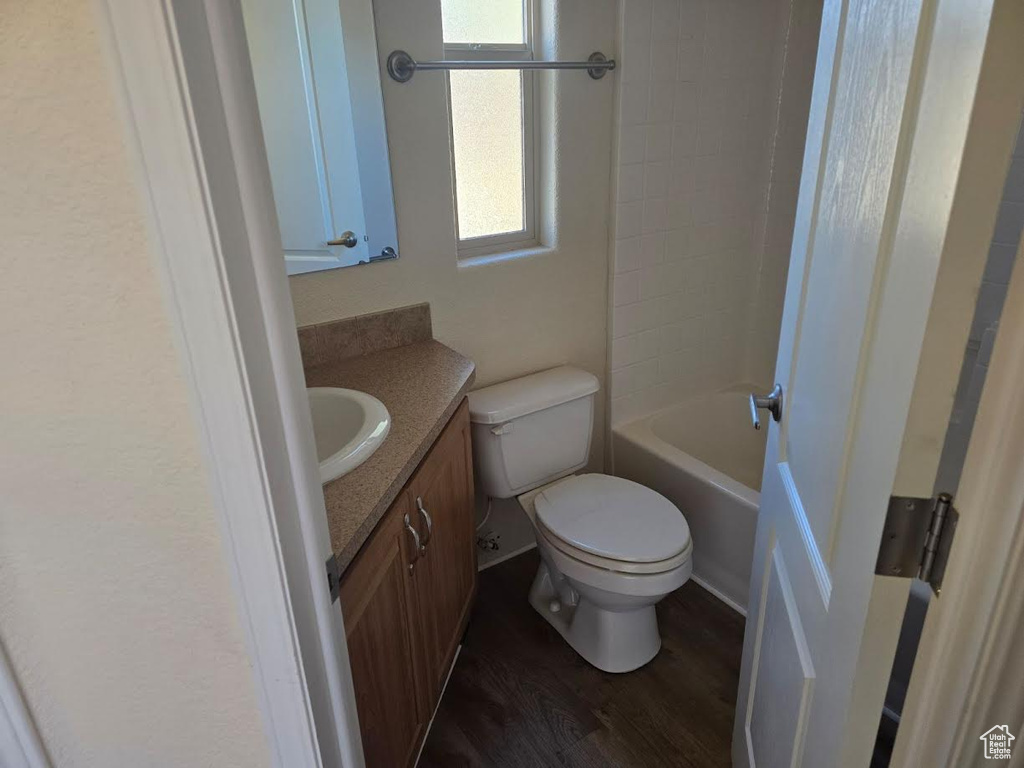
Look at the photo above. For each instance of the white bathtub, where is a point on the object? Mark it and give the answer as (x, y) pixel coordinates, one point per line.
(705, 456)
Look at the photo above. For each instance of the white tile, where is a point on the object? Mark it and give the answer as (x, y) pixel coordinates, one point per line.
(626, 288)
(628, 219)
(710, 108)
(684, 140)
(647, 344)
(653, 282)
(680, 212)
(627, 254)
(625, 409)
(684, 103)
(633, 102)
(672, 367)
(677, 244)
(648, 314)
(655, 215)
(690, 59)
(632, 144)
(624, 352)
(664, 53)
(630, 186)
(681, 177)
(656, 179)
(645, 374)
(659, 104)
(695, 274)
(665, 20)
(685, 334)
(628, 320)
(636, 40)
(652, 249)
(659, 142)
(622, 382)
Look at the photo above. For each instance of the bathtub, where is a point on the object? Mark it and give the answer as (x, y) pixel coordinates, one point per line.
(704, 455)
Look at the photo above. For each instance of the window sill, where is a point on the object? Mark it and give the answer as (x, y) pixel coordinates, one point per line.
(469, 262)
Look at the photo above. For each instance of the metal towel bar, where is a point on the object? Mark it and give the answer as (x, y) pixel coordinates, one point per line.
(402, 66)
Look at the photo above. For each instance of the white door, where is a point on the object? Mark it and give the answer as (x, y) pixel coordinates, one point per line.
(888, 127)
(314, 63)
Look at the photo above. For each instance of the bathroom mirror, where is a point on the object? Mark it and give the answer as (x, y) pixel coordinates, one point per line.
(319, 94)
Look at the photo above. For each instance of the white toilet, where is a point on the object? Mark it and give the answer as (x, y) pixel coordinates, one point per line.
(610, 548)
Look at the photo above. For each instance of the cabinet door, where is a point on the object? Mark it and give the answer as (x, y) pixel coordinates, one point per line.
(442, 491)
(376, 601)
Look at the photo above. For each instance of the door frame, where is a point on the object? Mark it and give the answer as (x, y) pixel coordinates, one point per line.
(181, 70)
(967, 670)
(189, 106)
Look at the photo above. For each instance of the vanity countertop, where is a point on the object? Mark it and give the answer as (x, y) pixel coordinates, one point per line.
(421, 384)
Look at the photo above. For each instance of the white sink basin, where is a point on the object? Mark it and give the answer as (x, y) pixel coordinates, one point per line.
(348, 425)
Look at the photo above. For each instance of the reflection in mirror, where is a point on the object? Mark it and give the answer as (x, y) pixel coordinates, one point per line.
(318, 89)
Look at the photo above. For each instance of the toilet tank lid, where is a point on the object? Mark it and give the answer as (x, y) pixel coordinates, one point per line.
(509, 400)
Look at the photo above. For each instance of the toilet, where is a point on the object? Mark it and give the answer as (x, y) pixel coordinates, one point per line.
(610, 548)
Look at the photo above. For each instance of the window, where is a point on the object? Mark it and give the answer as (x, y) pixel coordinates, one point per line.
(491, 118)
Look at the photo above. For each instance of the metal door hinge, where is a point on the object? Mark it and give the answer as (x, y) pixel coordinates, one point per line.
(333, 577)
(917, 538)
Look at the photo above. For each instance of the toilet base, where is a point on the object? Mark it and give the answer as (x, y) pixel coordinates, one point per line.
(613, 633)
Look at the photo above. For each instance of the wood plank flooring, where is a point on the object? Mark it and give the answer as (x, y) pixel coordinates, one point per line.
(520, 696)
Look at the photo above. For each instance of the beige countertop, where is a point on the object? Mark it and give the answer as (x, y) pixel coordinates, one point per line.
(421, 384)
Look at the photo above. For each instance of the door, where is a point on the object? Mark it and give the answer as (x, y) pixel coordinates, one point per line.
(377, 600)
(314, 64)
(442, 493)
(889, 128)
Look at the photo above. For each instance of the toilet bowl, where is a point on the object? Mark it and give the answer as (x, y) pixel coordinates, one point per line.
(610, 548)
(615, 549)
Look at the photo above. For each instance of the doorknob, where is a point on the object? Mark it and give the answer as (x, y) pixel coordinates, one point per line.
(772, 402)
(348, 239)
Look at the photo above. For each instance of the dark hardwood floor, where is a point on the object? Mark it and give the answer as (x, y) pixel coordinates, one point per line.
(520, 696)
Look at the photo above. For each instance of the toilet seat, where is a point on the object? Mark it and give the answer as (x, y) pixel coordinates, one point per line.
(608, 564)
(613, 524)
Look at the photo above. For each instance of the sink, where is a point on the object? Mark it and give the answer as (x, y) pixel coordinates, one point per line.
(348, 425)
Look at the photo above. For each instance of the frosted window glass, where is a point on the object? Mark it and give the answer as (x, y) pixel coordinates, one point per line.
(482, 21)
(487, 120)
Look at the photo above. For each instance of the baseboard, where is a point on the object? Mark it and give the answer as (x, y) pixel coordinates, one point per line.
(509, 556)
(426, 734)
(716, 593)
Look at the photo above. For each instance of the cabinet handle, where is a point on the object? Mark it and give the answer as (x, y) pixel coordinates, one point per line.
(426, 518)
(416, 542)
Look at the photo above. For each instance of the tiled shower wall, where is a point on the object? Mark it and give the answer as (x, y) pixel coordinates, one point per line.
(699, 99)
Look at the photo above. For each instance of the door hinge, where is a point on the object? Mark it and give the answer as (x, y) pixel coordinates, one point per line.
(333, 577)
(917, 538)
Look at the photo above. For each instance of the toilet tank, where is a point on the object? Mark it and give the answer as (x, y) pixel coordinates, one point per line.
(532, 430)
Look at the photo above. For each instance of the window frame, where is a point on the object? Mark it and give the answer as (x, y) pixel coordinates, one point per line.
(525, 238)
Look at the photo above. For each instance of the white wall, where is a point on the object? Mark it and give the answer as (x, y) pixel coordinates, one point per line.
(697, 110)
(521, 315)
(115, 603)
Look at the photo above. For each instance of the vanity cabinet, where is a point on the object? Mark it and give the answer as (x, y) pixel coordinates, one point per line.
(406, 599)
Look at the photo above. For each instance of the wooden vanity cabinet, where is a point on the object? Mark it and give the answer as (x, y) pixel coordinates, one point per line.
(405, 608)
(441, 492)
(376, 601)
